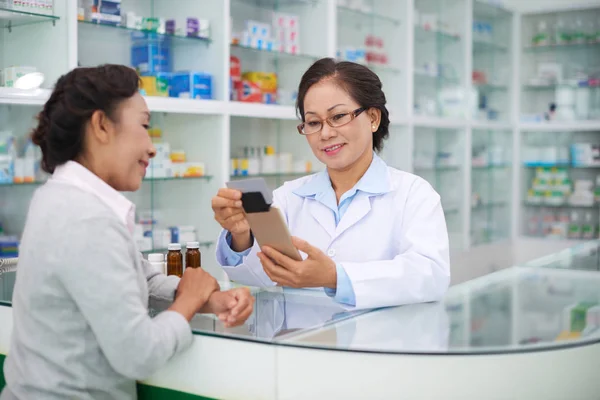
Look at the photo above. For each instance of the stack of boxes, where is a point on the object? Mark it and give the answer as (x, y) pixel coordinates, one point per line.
(373, 53)
(282, 35)
(171, 163)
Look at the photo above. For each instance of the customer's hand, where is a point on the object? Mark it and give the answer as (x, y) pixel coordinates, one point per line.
(229, 213)
(232, 307)
(318, 270)
(195, 288)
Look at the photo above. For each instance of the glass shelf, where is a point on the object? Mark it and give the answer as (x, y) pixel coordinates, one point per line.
(539, 87)
(543, 205)
(442, 79)
(10, 18)
(484, 47)
(490, 167)
(482, 9)
(438, 168)
(570, 46)
(277, 175)
(175, 38)
(275, 54)
(490, 87)
(561, 166)
(29, 184)
(188, 178)
(422, 34)
(352, 12)
(202, 244)
(486, 206)
(451, 211)
(380, 68)
(275, 4)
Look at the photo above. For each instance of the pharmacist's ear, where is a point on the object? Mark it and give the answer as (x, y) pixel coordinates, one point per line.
(101, 127)
(374, 116)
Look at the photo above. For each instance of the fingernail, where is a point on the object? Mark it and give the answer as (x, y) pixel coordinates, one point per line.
(238, 203)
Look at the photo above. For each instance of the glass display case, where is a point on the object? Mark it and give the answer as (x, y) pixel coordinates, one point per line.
(491, 177)
(492, 60)
(370, 32)
(438, 158)
(560, 66)
(561, 184)
(439, 59)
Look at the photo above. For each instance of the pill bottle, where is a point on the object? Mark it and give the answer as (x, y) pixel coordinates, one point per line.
(192, 255)
(157, 260)
(175, 260)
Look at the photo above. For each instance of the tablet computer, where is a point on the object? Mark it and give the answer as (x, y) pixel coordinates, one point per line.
(266, 221)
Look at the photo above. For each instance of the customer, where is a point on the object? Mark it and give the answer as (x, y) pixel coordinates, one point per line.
(377, 235)
(80, 307)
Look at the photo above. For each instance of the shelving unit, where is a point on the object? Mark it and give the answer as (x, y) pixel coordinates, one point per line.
(456, 73)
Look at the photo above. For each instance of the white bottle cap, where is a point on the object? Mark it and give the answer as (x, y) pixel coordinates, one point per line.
(192, 245)
(156, 257)
(174, 246)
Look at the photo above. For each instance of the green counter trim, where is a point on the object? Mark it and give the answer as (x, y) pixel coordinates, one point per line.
(144, 392)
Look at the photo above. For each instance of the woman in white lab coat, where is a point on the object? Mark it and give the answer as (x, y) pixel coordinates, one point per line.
(369, 234)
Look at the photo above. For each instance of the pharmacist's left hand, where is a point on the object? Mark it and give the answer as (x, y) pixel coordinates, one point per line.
(318, 270)
(232, 307)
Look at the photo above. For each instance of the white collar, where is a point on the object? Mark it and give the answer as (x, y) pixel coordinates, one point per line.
(76, 174)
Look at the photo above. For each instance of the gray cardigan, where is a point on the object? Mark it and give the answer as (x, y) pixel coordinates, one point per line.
(80, 306)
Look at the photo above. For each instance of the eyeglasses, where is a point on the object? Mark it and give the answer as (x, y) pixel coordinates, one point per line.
(335, 121)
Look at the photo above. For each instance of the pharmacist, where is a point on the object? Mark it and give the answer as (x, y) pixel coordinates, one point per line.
(370, 235)
(80, 305)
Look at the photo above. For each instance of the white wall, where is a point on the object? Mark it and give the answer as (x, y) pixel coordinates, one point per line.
(547, 5)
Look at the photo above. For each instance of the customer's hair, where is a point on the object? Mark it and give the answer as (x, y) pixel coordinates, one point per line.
(77, 95)
(360, 82)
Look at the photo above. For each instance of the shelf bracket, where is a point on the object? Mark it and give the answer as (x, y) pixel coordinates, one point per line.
(9, 26)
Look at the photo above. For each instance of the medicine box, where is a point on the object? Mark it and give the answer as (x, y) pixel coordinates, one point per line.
(585, 154)
(107, 12)
(195, 85)
(150, 53)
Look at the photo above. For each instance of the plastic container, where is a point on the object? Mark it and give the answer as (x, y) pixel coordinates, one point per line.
(157, 260)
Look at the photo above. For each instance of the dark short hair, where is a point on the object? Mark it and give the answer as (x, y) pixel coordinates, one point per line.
(76, 96)
(360, 82)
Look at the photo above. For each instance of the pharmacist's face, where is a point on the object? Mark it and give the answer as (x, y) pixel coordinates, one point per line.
(340, 147)
(130, 145)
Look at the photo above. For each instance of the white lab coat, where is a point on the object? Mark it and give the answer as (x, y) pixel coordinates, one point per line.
(393, 246)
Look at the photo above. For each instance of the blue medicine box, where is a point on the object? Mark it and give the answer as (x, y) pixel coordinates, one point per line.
(9, 247)
(194, 85)
(150, 53)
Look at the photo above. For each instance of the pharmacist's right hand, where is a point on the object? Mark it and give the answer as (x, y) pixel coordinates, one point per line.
(229, 213)
(194, 289)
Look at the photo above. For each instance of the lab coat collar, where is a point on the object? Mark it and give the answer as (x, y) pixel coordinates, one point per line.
(375, 181)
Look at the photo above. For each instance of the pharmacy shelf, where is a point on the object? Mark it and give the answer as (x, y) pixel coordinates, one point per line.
(206, 244)
(259, 110)
(422, 74)
(23, 184)
(274, 55)
(11, 17)
(274, 175)
(544, 205)
(174, 39)
(348, 12)
(490, 167)
(562, 47)
(206, 178)
(485, 206)
(486, 47)
(436, 168)
(24, 97)
(423, 34)
(561, 166)
(439, 122)
(490, 87)
(491, 125)
(575, 126)
(185, 106)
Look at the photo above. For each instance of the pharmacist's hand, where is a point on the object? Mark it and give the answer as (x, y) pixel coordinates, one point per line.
(318, 270)
(229, 213)
(232, 307)
(195, 287)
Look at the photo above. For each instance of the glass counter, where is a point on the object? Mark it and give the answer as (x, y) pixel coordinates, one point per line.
(512, 320)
